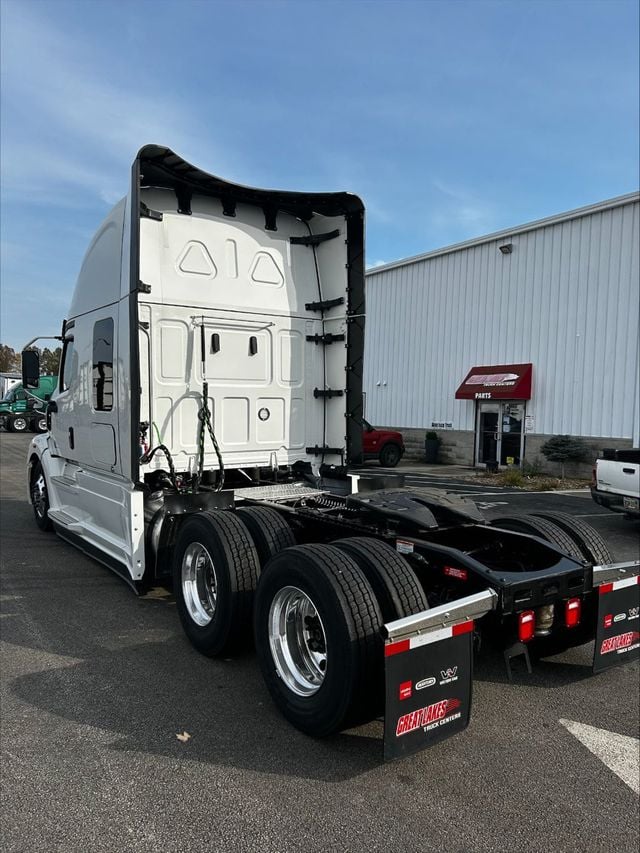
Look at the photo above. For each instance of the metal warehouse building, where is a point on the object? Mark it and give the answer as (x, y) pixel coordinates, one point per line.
(501, 342)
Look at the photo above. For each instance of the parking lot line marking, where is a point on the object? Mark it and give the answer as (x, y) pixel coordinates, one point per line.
(590, 514)
(496, 494)
(620, 753)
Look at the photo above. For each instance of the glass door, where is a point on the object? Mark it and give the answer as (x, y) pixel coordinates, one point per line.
(499, 433)
(488, 433)
(512, 419)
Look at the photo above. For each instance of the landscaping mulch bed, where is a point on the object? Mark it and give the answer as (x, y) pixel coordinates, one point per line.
(538, 483)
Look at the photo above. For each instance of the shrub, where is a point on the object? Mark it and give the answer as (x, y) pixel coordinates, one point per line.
(432, 436)
(564, 448)
(511, 478)
(532, 469)
(547, 484)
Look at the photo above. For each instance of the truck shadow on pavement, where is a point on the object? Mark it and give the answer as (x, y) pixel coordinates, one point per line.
(83, 647)
(548, 673)
(147, 696)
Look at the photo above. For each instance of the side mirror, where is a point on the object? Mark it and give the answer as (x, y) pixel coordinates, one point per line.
(30, 368)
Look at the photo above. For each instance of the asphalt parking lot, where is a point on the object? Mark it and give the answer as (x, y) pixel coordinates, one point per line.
(96, 683)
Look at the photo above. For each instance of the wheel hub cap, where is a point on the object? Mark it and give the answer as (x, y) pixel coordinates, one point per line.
(199, 584)
(297, 641)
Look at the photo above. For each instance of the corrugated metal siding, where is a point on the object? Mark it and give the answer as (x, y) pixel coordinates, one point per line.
(566, 299)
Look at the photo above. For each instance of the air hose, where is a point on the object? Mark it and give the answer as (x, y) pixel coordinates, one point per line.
(161, 448)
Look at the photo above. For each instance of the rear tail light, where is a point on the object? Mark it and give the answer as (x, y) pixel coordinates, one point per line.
(572, 612)
(594, 479)
(526, 625)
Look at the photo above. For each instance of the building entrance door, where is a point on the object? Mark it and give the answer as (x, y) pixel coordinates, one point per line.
(499, 433)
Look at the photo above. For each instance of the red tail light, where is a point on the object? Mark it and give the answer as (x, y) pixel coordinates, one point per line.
(594, 478)
(572, 612)
(526, 625)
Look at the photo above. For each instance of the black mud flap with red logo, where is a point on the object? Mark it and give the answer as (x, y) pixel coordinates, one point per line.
(428, 688)
(618, 630)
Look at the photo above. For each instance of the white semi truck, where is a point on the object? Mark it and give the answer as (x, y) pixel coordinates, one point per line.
(208, 409)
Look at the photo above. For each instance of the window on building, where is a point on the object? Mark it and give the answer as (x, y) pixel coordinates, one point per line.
(103, 365)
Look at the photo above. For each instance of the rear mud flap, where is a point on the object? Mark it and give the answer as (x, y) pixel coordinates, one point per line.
(618, 628)
(428, 674)
(428, 689)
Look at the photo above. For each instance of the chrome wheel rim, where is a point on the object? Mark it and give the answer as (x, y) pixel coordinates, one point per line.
(19, 424)
(42, 424)
(39, 496)
(199, 584)
(297, 640)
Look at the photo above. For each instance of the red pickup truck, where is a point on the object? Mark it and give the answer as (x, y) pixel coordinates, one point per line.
(387, 445)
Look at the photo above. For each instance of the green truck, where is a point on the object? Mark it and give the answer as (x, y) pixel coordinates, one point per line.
(21, 409)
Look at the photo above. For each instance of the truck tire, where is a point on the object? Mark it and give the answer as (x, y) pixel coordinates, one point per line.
(541, 528)
(40, 497)
(18, 423)
(39, 424)
(268, 529)
(317, 627)
(215, 571)
(390, 455)
(591, 544)
(392, 579)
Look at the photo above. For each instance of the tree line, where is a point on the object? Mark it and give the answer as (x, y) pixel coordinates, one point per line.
(49, 360)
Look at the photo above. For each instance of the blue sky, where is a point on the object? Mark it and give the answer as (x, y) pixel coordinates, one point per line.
(450, 119)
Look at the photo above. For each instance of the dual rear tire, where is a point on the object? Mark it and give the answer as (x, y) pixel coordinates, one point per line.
(318, 618)
(572, 535)
(215, 571)
(216, 564)
(317, 610)
(576, 538)
(317, 627)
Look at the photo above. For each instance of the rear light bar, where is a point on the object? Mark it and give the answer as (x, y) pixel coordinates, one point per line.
(526, 625)
(572, 612)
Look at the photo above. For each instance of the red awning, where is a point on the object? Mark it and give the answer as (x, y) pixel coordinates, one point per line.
(497, 382)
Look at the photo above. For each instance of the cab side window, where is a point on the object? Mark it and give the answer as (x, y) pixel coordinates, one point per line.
(103, 365)
(69, 365)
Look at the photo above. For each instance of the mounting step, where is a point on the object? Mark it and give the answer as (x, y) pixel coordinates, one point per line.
(325, 339)
(329, 392)
(325, 304)
(314, 239)
(150, 214)
(321, 451)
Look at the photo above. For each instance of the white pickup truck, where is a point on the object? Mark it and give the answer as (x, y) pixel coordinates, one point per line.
(616, 481)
